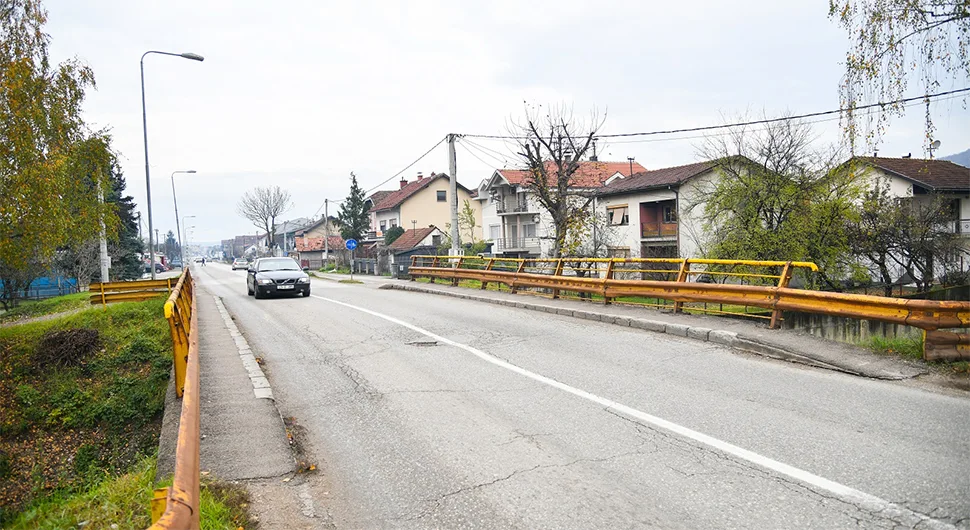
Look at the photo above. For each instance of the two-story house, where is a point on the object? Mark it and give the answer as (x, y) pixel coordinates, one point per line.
(916, 181)
(516, 222)
(420, 203)
(658, 213)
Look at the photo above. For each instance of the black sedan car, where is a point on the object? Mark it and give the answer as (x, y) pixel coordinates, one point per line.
(269, 276)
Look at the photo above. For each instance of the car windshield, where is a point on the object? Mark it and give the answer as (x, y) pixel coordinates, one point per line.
(268, 265)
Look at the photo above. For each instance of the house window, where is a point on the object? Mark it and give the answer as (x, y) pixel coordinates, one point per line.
(495, 232)
(670, 214)
(436, 240)
(619, 215)
(529, 230)
(383, 225)
(393, 223)
(442, 196)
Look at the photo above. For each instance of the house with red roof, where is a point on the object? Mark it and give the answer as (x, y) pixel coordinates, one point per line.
(313, 252)
(420, 203)
(516, 223)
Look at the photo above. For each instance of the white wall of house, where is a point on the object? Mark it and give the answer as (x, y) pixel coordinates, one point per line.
(390, 217)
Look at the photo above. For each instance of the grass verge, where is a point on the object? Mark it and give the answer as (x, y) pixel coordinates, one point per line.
(82, 398)
(125, 501)
(349, 281)
(907, 347)
(35, 308)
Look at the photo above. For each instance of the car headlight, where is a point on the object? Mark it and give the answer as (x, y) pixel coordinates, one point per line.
(264, 281)
(303, 280)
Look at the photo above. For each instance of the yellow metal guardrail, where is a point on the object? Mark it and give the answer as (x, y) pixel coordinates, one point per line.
(133, 291)
(768, 291)
(177, 507)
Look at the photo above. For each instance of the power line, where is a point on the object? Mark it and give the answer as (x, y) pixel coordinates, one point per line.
(469, 145)
(499, 155)
(392, 177)
(469, 151)
(756, 122)
(824, 120)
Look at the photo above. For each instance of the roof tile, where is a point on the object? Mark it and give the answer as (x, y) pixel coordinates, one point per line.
(932, 174)
(410, 238)
(659, 177)
(589, 175)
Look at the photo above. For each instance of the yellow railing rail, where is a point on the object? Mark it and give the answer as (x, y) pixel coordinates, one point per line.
(927, 315)
(177, 507)
(133, 291)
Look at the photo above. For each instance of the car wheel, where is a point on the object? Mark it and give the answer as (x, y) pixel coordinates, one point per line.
(248, 290)
(306, 293)
(256, 293)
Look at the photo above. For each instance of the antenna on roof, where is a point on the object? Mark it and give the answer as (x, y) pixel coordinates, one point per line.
(594, 158)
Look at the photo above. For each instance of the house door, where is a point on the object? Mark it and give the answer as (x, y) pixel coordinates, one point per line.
(513, 240)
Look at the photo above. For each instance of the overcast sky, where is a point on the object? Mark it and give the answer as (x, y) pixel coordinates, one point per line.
(300, 94)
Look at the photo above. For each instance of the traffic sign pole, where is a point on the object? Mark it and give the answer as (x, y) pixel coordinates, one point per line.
(351, 246)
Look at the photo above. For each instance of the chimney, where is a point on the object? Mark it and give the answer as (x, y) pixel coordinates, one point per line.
(420, 175)
(404, 182)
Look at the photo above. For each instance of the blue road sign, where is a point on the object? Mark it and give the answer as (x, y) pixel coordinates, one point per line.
(351, 244)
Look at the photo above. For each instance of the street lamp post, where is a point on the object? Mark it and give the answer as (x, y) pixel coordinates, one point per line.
(144, 122)
(174, 198)
(184, 217)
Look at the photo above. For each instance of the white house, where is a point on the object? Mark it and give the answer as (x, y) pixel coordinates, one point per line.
(657, 213)
(516, 223)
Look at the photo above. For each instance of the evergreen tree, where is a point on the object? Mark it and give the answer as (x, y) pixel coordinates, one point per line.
(354, 218)
(124, 246)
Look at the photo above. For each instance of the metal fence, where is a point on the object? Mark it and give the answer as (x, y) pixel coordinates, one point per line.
(177, 507)
(731, 283)
(133, 291)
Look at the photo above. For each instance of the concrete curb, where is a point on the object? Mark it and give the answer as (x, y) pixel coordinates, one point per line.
(261, 386)
(723, 337)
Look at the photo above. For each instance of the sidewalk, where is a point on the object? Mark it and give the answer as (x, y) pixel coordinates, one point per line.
(243, 436)
(744, 335)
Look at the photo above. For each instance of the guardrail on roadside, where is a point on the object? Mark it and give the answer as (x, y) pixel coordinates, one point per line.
(133, 291)
(599, 277)
(177, 507)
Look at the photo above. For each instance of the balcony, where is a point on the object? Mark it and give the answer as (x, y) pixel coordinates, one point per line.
(654, 230)
(961, 227)
(517, 244)
(511, 207)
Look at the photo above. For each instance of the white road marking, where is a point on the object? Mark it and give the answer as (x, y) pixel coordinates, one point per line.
(871, 503)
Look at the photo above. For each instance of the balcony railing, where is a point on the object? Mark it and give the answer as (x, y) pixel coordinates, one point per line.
(658, 230)
(962, 227)
(517, 243)
(511, 207)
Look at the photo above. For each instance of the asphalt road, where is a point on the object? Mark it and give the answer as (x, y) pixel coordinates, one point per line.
(428, 411)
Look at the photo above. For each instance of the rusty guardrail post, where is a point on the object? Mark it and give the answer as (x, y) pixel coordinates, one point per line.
(414, 261)
(946, 345)
(491, 261)
(512, 287)
(557, 272)
(454, 280)
(606, 280)
(681, 278)
(786, 273)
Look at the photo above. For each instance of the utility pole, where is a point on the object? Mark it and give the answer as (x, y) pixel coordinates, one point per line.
(326, 231)
(105, 260)
(157, 244)
(453, 188)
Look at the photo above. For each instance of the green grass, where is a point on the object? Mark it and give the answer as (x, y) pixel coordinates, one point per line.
(64, 428)
(35, 308)
(338, 270)
(349, 281)
(908, 347)
(125, 500)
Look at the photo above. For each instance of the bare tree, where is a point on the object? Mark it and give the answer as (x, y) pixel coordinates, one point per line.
(778, 198)
(551, 144)
(262, 206)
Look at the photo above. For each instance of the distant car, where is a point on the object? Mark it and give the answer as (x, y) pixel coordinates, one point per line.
(240, 263)
(198, 259)
(269, 276)
(175, 263)
(158, 268)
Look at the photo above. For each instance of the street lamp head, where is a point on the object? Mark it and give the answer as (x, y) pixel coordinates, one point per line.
(193, 56)
(190, 171)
